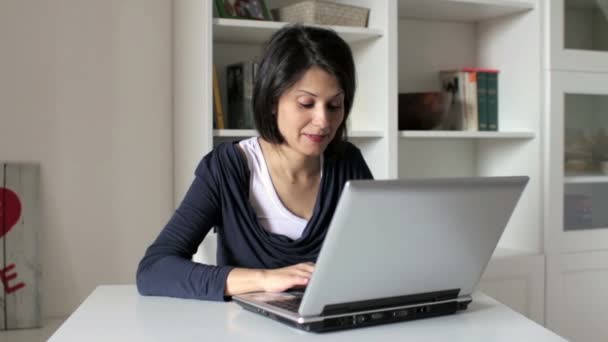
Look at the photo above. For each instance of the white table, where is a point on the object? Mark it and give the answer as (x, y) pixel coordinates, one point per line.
(119, 313)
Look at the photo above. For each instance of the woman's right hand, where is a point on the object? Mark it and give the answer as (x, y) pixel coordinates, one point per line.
(282, 279)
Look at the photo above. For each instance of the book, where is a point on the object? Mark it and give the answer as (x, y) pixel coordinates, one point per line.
(482, 100)
(240, 79)
(471, 109)
(492, 82)
(453, 82)
(217, 102)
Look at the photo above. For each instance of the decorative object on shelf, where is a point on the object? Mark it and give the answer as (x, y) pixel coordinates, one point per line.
(585, 150)
(453, 82)
(599, 147)
(474, 100)
(577, 151)
(424, 111)
(218, 118)
(19, 266)
(323, 13)
(243, 9)
(239, 79)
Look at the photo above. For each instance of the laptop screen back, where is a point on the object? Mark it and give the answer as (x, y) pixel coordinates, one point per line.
(401, 237)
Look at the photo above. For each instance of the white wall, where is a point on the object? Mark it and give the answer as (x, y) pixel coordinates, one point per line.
(85, 89)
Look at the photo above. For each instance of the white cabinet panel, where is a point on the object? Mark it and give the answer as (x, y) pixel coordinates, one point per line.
(518, 282)
(577, 296)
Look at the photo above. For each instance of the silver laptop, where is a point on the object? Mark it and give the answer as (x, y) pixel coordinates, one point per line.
(398, 250)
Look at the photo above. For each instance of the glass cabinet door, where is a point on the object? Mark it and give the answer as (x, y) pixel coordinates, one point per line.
(578, 35)
(578, 167)
(585, 161)
(586, 25)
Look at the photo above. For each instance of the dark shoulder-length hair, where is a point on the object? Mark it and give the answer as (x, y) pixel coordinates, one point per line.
(288, 54)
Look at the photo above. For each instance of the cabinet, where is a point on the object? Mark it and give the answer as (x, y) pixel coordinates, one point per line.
(576, 232)
(405, 46)
(577, 149)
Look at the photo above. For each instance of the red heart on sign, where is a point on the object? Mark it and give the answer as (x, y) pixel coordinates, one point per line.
(10, 210)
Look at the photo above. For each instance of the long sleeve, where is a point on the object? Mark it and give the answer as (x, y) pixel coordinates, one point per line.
(166, 268)
(218, 197)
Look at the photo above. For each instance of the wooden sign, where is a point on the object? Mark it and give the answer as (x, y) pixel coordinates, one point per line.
(19, 227)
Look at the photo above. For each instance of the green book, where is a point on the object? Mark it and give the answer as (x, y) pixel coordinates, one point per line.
(482, 100)
(492, 100)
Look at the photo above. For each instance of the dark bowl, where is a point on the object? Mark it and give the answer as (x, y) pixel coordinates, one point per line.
(423, 111)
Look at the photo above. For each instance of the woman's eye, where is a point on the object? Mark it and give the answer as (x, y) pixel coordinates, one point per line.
(334, 108)
(331, 107)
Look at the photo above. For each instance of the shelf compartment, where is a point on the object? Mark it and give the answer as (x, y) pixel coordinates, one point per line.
(257, 32)
(234, 133)
(466, 135)
(461, 10)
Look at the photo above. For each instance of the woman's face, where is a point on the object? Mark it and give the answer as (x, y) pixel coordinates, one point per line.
(310, 112)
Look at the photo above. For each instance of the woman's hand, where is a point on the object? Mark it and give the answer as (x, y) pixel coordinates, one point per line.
(243, 280)
(282, 279)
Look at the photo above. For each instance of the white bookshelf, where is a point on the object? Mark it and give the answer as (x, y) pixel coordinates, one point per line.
(405, 46)
(237, 40)
(434, 35)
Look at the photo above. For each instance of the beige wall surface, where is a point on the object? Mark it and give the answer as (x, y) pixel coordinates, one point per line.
(85, 90)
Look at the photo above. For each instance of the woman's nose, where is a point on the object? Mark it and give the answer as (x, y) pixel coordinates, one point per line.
(321, 117)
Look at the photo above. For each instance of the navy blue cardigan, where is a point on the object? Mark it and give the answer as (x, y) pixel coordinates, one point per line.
(219, 197)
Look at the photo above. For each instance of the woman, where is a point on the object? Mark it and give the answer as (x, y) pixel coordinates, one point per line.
(271, 197)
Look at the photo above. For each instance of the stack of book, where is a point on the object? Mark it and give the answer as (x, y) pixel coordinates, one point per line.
(474, 101)
(240, 78)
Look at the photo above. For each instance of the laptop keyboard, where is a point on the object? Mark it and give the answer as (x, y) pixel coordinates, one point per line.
(287, 304)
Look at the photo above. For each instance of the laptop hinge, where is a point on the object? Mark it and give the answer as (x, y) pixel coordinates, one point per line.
(429, 297)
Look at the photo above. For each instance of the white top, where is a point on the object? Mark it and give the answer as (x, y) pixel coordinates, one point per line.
(271, 213)
(118, 313)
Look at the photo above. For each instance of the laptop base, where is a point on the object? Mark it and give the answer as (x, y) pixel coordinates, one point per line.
(360, 320)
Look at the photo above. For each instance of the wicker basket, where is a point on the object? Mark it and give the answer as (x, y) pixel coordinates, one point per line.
(323, 13)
